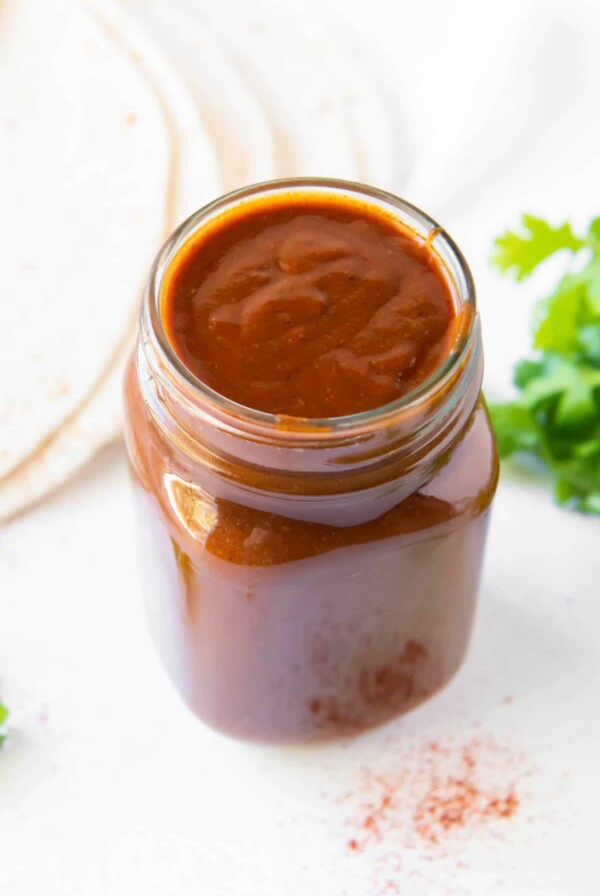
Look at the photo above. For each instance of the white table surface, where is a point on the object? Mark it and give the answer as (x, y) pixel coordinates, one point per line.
(110, 787)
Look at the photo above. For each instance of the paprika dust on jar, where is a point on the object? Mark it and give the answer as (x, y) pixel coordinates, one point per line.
(313, 463)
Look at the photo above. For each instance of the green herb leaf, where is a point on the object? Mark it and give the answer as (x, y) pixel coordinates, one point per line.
(594, 231)
(3, 718)
(515, 428)
(560, 315)
(591, 278)
(520, 254)
(589, 341)
(556, 416)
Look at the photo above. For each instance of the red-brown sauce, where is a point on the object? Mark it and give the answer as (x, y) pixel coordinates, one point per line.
(309, 307)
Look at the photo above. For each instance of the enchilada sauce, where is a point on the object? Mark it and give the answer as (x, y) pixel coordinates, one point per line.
(286, 607)
(316, 308)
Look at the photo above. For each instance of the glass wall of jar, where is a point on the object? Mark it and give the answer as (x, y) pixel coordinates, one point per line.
(309, 578)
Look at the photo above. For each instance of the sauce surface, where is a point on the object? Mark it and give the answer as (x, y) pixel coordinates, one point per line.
(308, 306)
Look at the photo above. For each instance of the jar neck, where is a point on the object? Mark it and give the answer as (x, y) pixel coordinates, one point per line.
(408, 445)
(401, 444)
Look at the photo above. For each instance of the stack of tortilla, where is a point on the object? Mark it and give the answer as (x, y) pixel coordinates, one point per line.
(118, 120)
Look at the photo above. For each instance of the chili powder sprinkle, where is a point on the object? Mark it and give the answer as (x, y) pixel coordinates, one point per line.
(436, 790)
(459, 801)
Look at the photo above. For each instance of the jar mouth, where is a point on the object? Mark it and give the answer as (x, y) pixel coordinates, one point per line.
(425, 228)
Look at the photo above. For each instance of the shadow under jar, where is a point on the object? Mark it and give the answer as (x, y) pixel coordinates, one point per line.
(308, 578)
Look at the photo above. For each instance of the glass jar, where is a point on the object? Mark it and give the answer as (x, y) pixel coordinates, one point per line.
(308, 578)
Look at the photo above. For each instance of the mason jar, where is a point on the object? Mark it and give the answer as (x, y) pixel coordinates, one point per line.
(309, 578)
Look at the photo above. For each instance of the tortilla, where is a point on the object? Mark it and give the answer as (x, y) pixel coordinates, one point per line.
(371, 117)
(189, 180)
(324, 134)
(195, 179)
(227, 105)
(307, 116)
(84, 169)
(96, 424)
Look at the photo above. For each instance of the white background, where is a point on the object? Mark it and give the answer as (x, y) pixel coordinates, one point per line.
(109, 786)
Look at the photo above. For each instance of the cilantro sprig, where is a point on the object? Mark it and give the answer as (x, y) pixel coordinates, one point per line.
(556, 416)
(3, 718)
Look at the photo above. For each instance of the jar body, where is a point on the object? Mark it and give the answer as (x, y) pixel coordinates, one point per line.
(279, 625)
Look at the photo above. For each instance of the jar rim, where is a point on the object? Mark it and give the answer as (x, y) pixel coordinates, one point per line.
(410, 216)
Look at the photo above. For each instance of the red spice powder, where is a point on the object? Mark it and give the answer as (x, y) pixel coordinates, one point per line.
(436, 791)
(435, 799)
(458, 802)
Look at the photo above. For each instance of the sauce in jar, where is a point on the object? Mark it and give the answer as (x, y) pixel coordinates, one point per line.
(313, 462)
(309, 307)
